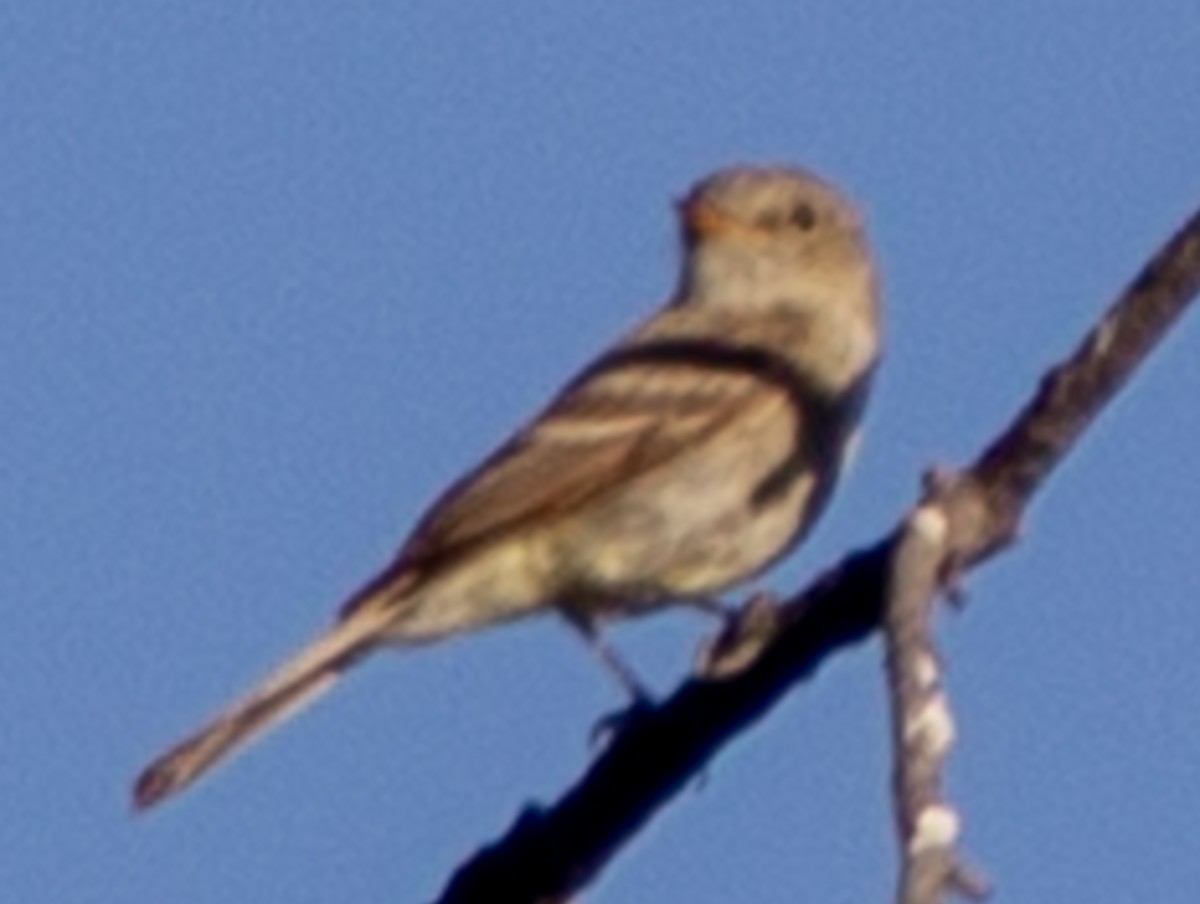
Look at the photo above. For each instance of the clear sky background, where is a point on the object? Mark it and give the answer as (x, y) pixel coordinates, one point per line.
(271, 274)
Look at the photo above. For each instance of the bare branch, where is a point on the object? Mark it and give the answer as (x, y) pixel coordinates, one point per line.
(546, 855)
(1074, 393)
(922, 722)
(969, 516)
(549, 854)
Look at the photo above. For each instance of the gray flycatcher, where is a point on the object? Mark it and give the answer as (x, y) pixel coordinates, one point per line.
(684, 460)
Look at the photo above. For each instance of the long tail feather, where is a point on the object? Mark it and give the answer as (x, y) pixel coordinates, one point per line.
(296, 684)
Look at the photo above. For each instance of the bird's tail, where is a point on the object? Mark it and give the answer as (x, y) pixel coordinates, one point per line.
(302, 679)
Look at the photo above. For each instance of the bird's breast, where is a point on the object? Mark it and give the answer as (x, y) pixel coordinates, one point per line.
(700, 525)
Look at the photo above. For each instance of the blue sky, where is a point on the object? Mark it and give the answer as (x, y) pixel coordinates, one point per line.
(272, 274)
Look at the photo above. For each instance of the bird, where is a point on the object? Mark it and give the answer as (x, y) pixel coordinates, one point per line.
(684, 460)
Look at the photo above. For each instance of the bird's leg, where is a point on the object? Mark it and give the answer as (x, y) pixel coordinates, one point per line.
(641, 702)
(589, 629)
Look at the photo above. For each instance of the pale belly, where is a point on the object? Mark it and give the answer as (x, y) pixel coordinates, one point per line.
(693, 533)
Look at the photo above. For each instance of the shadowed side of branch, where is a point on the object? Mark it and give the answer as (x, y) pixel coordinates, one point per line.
(549, 854)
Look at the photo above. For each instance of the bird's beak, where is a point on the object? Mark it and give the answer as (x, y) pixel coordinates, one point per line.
(702, 220)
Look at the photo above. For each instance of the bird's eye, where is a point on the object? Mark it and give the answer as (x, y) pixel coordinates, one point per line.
(803, 217)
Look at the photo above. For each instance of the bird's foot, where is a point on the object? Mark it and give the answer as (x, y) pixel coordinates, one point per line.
(611, 725)
(746, 632)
